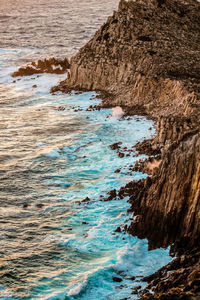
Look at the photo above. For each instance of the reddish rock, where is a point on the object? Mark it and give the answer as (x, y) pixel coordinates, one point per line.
(51, 65)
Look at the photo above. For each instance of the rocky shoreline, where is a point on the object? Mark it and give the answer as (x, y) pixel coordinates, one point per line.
(146, 59)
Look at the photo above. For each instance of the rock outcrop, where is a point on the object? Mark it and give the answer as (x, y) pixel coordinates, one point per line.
(146, 58)
(146, 55)
(51, 65)
(171, 198)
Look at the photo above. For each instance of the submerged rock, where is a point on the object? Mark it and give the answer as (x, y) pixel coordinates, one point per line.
(117, 279)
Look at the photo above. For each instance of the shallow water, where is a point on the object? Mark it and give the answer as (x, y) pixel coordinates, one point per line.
(52, 246)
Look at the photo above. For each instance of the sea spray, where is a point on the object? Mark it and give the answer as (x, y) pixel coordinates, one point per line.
(60, 246)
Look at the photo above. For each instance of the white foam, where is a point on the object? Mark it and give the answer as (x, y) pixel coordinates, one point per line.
(54, 153)
(117, 112)
(78, 287)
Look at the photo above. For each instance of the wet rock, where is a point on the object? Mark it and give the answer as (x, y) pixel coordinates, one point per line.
(51, 65)
(117, 279)
(120, 154)
(87, 199)
(132, 278)
(118, 229)
(39, 205)
(115, 146)
(61, 108)
(112, 195)
(120, 287)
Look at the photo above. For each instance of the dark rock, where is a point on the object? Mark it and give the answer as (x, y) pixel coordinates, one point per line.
(115, 146)
(132, 278)
(117, 279)
(112, 195)
(39, 205)
(61, 108)
(157, 203)
(118, 229)
(87, 199)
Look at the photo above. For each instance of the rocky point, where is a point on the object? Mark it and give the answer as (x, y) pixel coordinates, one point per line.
(146, 59)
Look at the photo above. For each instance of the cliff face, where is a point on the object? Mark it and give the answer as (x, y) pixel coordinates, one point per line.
(169, 202)
(146, 58)
(147, 54)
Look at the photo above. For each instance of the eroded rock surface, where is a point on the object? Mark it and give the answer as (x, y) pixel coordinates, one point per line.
(146, 59)
(51, 65)
(146, 55)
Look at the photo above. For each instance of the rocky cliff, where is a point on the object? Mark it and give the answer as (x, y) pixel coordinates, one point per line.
(146, 54)
(171, 198)
(146, 58)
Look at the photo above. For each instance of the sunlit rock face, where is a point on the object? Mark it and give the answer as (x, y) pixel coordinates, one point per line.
(147, 58)
(146, 54)
(51, 65)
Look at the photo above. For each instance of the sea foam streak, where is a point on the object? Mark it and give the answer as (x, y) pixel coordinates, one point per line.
(57, 245)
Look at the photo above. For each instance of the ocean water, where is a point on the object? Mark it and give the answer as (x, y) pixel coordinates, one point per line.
(52, 245)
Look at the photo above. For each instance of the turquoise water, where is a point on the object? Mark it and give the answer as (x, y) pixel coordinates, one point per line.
(52, 245)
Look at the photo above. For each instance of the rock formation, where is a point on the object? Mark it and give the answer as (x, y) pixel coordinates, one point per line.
(144, 55)
(51, 65)
(146, 59)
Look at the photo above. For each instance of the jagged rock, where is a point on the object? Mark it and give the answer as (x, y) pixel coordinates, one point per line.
(87, 199)
(146, 57)
(178, 280)
(115, 146)
(51, 65)
(171, 198)
(118, 229)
